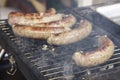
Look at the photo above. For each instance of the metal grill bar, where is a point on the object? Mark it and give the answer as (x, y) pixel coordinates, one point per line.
(96, 68)
(51, 69)
(114, 59)
(84, 71)
(56, 64)
(54, 73)
(117, 49)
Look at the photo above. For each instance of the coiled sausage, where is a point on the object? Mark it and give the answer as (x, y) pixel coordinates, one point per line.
(96, 57)
(72, 36)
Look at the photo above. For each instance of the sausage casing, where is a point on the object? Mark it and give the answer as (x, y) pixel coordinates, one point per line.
(96, 57)
(32, 18)
(67, 22)
(71, 36)
(36, 32)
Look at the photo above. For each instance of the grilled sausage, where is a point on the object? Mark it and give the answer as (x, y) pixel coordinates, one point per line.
(72, 36)
(36, 32)
(67, 22)
(96, 57)
(32, 18)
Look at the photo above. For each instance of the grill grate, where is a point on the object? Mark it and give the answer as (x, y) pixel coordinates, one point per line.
(57, 65)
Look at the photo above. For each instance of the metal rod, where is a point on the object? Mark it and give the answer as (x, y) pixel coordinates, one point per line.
(97, 67)
(55, 78)
(5, 28)
(54, 73)
(117, 50)
(51, 69)
(116, 54)
(114, 59)
(60, 77)
(1, 53)
(48, 66)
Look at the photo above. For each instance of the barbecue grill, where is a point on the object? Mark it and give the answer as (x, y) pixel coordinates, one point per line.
(38, 60)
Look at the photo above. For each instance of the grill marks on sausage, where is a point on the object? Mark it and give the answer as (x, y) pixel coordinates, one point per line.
(41, 29)
(49, 12)
(30, 16)
(33, 18)
(37, 32)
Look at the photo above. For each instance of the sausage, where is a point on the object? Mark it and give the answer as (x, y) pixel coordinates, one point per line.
(32, 18)
(71, 36)
(50, 11)
(67, 22)
(104, 51)
(36, 32)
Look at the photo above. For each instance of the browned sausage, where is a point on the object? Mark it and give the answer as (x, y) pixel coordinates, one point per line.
(32, 18)
(72, 36)
(36, 32)
(98, 56)
(67, 22)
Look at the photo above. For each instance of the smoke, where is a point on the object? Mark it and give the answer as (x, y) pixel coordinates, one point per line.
(68, 70)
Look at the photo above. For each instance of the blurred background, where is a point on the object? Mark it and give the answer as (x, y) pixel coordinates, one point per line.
(7, 6)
